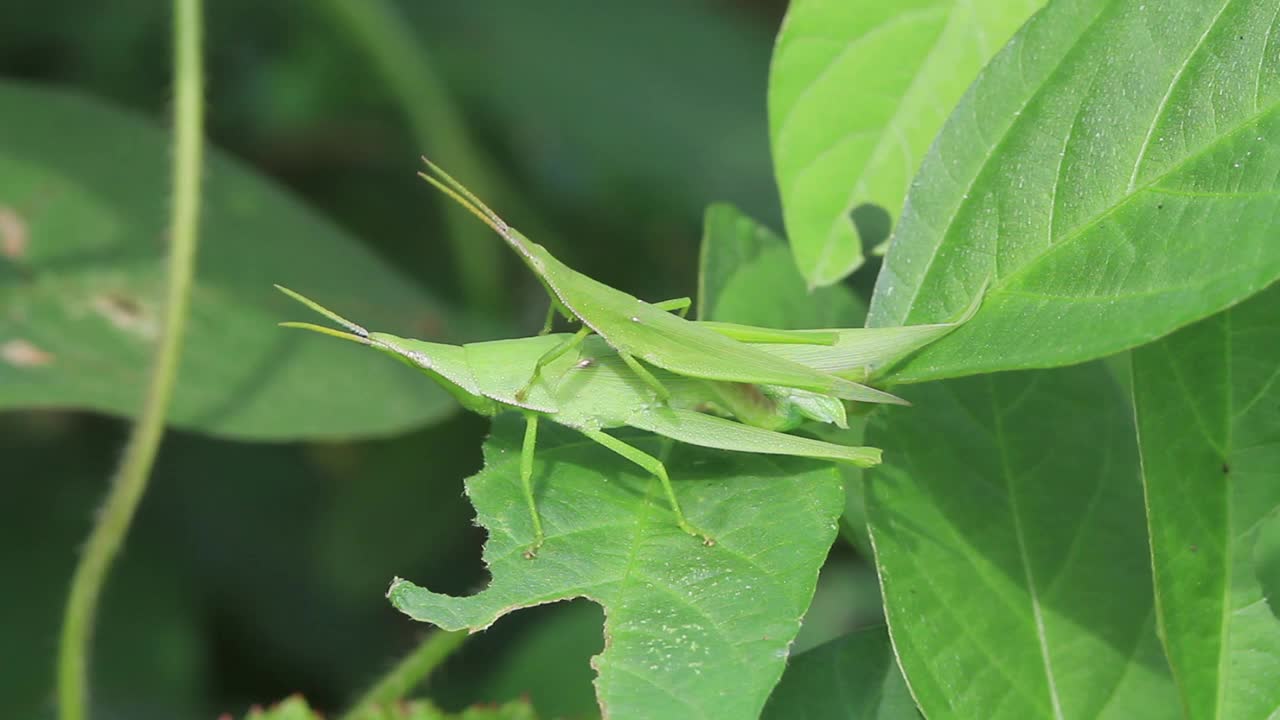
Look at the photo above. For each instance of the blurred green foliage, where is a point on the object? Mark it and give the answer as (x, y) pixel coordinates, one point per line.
(618, 147)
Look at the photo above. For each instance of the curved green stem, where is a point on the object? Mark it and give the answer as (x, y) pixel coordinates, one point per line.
(131, 479)
(409, 73)
(406, 675)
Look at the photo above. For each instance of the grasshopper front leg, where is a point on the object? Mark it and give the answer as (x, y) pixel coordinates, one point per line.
(679, 306)
(550, 357)
(663, 393)
(655, 466)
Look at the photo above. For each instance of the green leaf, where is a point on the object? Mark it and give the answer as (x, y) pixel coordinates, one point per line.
(83, 207)
(1113, 175)
(857, 91)
(1266, 561)
(747, 276)
(854, 677)
(295, 708)
(1009, 535)
(691, 631)
(1208, 410)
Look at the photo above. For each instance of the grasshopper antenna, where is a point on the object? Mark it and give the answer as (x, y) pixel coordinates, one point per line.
(466, 204)
(354, 328)
(459, 189)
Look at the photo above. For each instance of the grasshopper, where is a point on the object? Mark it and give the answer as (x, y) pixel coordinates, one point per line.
(596, 389)
(638, 330)
(859, 354)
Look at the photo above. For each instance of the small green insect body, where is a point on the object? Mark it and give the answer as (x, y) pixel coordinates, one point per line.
(642, 331)
(590, 390)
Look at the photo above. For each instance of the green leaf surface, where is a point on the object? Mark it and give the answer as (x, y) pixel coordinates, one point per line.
(1266, 561)
(691, 631)
(83, 207)
(852, 678)
(746, 275)
(1009, 536)
(296, 708)
(1208, 410)
(857, 91)
(1113, 175)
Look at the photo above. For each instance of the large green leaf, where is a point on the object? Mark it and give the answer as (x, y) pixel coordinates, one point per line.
(1011, 546)
(746, 275)
(1208, 409)
(852, 678)
(1112, 176)
(857, 91)
(84, 198)
(692, 631)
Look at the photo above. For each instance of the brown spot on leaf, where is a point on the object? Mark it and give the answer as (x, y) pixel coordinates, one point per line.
(125, 314)
(24, 354)
(13, 234)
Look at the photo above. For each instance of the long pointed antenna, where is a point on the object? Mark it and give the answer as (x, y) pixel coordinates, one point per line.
(476, 203)
(465, 203)
(447, 184)
(354, 328)
(327, 331)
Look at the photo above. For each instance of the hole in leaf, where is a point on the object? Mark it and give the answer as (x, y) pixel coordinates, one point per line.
(872, 224)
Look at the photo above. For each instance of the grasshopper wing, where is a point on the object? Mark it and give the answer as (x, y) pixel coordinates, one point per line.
(696, 428)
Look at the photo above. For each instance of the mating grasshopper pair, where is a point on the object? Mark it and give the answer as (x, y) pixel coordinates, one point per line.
(698, 374)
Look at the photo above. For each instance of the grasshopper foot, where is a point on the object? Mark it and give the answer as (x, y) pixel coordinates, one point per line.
(706, 539)
(531, 552)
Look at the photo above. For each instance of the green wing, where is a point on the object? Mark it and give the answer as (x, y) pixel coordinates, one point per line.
(865, 353)
(696, 428)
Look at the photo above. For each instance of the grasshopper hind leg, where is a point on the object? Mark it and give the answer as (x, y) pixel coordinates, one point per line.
(655, 466)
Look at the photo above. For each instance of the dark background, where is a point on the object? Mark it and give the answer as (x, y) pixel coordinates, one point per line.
(254, 571)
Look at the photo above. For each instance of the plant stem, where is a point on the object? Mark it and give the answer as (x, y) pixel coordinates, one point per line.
(408, 72)
(406, 67)
(408, 673)
(131, 478)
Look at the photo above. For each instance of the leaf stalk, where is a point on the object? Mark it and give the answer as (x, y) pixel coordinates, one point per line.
(130, 481)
